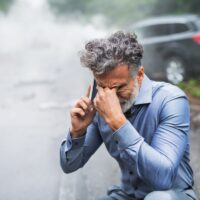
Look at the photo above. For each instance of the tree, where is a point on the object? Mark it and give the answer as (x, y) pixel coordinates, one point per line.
(4, 4)
(126, 11)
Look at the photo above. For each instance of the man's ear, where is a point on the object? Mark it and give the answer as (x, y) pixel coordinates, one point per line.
(140, 75)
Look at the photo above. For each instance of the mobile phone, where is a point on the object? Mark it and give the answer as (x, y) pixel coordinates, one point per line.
(94, 90)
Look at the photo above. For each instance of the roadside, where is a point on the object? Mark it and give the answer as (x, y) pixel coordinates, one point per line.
(195, 140)
(195, 112)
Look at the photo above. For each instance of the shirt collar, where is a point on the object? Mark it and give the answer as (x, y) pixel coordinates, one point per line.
(145, 92)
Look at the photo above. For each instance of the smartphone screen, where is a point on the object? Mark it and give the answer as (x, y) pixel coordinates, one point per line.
(94, 90)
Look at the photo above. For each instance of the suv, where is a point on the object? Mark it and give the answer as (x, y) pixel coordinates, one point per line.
(171, 46)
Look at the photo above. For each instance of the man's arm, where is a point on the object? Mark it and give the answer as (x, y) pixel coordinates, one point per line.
(83, 139)
(74, 153)
(157, 163)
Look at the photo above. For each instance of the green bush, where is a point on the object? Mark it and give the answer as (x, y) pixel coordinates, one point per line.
(4, 5)
(192, 87)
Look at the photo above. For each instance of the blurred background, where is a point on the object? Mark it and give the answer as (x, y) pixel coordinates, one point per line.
(41, 77)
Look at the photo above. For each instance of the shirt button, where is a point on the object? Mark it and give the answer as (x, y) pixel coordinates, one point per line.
(136, 187)
(76, 143)
(130, 172)
(116, 141)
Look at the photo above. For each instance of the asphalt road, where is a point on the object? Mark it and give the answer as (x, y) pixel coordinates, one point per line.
(34, 107)
(40, 77)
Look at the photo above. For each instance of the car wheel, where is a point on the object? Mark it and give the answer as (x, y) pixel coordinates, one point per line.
(175, 70)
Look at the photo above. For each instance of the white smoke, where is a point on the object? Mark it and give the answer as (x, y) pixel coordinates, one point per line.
(39, 72)
(32, 38)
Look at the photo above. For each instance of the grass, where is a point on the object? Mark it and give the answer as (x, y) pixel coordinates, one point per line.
(191, 87)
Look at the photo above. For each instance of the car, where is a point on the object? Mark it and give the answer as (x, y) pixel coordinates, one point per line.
(171, 46)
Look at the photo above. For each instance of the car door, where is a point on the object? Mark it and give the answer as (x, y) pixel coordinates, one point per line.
(154, 38)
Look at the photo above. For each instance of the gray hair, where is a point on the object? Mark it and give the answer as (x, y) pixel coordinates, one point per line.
(102, 55)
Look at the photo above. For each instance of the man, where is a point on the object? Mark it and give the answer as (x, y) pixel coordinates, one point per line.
(144, 124)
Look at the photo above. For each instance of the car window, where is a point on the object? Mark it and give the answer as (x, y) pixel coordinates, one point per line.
(153, 31)
(180, 28)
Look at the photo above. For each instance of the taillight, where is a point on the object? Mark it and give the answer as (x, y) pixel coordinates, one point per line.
(196, 38)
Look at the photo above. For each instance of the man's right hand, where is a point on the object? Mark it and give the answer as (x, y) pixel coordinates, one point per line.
(81, 115)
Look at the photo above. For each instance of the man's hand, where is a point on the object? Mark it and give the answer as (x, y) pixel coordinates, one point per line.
(81, 115)
(107, 104)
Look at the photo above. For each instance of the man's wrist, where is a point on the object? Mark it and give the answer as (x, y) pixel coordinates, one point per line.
(76, 134)
(116, 123)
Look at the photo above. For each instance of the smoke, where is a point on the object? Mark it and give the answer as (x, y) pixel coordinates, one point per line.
(33, 39)
(39, 70)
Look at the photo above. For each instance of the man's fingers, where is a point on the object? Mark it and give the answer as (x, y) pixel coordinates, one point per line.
(88, 91)
(114, 89)
(78, 111)
(95, 102)
(83, 104)
(86, 100)
(83, 99)
(99, 88)
(100, 91)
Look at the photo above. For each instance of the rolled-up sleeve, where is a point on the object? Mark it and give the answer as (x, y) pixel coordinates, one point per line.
(74, 153)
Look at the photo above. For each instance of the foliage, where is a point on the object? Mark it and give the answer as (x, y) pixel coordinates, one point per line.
(117, 11)
(176, 7)
(191, 87)
(127, 11)
(4, 5)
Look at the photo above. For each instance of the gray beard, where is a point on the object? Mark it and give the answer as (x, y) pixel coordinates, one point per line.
(127, 104)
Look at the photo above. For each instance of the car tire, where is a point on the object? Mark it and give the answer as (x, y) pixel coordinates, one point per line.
(175, 69)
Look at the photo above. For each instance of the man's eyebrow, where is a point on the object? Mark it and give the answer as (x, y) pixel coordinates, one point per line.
(123, 84)
(99, 84)
(119, 85)
(114, 86)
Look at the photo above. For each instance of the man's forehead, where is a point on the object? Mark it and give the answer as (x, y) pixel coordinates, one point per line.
(119, 75)
(120, 71)
(111, 82)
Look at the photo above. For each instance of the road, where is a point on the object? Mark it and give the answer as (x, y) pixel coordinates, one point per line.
(33, 110)
(40, 77)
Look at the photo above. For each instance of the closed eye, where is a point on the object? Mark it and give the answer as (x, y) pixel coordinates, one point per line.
(121, 86)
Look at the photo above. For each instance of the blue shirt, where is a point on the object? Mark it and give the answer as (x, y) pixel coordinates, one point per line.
(152, 148)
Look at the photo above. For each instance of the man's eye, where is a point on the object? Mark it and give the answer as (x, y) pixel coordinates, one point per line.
(121, 87)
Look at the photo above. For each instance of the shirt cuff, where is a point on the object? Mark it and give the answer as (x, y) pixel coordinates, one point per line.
(74, 143)
(126, 135)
